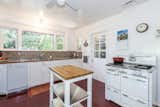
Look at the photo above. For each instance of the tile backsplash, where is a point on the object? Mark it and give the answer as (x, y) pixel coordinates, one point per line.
(42, 55)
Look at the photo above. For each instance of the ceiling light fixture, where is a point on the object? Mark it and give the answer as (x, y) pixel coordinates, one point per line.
(41, 13)
(60, 3)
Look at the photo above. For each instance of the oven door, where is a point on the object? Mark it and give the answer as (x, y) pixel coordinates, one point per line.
(135, 86)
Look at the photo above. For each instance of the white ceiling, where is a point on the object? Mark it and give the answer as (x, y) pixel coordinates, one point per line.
(27, 11)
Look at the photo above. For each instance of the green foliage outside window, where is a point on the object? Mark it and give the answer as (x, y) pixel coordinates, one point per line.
(59, 42)
(37, 41)
(9, 37)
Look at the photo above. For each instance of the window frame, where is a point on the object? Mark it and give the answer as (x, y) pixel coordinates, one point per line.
(99, 50)
(55, 41)
(37, 33)
(19, 39)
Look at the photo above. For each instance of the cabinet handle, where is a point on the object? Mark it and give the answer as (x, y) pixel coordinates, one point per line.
(125, 95)
(111, 70)
(125, 77)
(116, 74)
(122, 72)
(108, 73)
(115, 91)
(141, 102)
(140, 80)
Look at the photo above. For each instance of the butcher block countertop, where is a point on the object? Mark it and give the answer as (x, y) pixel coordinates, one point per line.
(69, 71)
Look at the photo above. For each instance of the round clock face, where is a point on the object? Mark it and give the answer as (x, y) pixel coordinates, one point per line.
(142, 27)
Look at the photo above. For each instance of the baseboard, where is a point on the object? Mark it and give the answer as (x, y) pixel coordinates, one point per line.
(156, 104)
(99, 80)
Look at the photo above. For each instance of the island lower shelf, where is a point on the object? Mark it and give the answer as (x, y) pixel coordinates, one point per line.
(77, 94)
(58, 103)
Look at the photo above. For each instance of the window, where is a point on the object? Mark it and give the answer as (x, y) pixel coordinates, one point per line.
(8, 38)
(59, 42)
(100, 47)
(37, 41)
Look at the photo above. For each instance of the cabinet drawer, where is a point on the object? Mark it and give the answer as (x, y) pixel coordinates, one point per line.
(128, 101)
(115, 96)
(113, 80)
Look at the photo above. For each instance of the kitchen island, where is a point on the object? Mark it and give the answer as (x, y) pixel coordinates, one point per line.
(68, 94)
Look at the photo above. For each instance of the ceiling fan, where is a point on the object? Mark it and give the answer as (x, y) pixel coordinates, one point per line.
(61, 4)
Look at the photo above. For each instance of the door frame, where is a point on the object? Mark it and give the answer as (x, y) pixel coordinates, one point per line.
(93, 59)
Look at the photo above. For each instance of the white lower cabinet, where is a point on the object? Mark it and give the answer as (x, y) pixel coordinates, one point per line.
(17, 77)
(39, 72)
(3, 79)
(35, 74)
(45, 72)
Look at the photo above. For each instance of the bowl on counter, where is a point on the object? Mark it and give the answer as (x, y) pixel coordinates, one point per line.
(118, 60)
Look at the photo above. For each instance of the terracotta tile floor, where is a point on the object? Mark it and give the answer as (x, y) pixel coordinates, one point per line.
(39, 97)
(38, 90)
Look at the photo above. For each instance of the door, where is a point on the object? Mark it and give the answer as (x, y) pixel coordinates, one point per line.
(98, 55)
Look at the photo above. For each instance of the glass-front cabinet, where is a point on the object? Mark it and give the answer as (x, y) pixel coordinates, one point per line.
(100, 46)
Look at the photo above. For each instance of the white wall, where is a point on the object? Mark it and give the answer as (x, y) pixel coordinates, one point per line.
(139, 44)
(22, 26)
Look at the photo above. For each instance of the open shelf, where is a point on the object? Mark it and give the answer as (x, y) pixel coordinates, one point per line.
(59, 103)
(77, 94)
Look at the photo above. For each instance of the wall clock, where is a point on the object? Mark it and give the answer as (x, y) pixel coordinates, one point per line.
(143, 27)
(85, 44)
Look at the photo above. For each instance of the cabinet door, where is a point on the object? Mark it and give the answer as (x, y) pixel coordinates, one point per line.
(35, 74)
(17, 76)
(113, 80)
(75, 62)
(45, 72)
(3, 79)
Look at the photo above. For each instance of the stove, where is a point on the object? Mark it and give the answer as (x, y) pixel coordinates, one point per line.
(145, 67)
